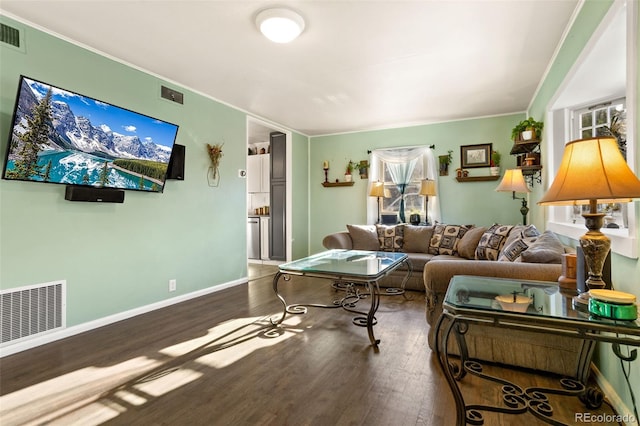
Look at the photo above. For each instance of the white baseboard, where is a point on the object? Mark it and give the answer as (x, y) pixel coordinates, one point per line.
(618, 404)
(265, 262)
(101, 322)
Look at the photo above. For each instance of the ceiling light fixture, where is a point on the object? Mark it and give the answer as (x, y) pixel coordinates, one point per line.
(280, 25)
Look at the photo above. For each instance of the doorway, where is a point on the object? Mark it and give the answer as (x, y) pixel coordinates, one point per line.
(268, 145)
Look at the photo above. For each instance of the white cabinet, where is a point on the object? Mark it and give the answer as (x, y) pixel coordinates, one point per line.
(258, 173)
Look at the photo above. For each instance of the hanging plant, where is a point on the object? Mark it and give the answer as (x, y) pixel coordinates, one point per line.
(215, 154)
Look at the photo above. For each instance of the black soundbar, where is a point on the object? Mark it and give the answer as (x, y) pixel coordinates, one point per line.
(94, 195)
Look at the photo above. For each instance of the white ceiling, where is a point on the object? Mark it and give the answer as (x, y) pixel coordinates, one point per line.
(358, 65)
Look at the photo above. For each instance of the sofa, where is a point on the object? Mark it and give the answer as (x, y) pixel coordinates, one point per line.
(439, 252)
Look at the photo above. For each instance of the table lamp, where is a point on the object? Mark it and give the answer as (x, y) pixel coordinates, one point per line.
(377, 190)
(513, 181)
(427, 187)
(592, 172)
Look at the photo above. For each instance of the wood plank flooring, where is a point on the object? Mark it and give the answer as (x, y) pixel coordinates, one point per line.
(217, 360)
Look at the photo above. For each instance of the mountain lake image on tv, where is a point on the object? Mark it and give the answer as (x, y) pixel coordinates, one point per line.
(62, 137)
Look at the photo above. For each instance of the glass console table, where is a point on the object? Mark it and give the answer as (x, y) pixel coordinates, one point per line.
(348, 266)
(472, 300)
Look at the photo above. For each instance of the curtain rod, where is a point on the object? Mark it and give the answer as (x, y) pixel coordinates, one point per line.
(402, 147)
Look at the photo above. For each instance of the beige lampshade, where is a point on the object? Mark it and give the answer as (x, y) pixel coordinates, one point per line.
(592, 169)
(377, 189)
(428, 187)
(513, 181)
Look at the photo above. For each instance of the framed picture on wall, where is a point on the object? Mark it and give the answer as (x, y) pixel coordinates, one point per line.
(475, 155)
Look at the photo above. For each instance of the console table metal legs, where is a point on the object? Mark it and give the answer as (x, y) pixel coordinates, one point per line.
(515, 399)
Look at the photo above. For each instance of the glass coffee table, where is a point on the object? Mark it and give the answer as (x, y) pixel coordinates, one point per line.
(355, 267)
(539, 307)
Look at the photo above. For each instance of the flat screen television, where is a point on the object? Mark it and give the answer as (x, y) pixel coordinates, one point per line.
(58, 136)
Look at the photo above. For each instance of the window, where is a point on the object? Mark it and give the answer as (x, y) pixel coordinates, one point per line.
(403, 169)
(609, 118)
(413, 202)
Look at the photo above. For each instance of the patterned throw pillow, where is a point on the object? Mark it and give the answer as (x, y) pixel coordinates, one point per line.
(521, 231)
(511, 252)
(492, 241)
(445, 239)
(391, 238)
(519, 239)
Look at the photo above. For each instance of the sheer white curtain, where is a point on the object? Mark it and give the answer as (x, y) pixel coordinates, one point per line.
(402, 162)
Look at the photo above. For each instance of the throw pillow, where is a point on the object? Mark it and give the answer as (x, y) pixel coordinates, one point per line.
(519, 239)
(390, 238)
(364, 237)
(521, 231)
(445, 239)
(547, 249)
(469, 242)
(492, 241)
(511, 252)
(416, 238)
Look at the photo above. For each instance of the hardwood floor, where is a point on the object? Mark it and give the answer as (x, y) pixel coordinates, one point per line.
(217, 360)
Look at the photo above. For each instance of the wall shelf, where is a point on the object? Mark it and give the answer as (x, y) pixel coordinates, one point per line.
(521, 147)
(331, 184)
(477, 178)
(532, 173)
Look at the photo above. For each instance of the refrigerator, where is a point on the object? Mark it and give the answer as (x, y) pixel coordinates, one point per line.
(253, 238)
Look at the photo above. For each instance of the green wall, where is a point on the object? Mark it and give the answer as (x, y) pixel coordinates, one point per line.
(119, 257)
(625, 271)
(461, 203)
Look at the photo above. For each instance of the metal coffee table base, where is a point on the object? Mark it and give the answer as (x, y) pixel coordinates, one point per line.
(348, 303)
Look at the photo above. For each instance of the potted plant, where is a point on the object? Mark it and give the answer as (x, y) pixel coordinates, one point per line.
(414, 217)
(617, 129)
(363, 167)
(444, 161)
(351, 166)
(495, 163)
(527, 129)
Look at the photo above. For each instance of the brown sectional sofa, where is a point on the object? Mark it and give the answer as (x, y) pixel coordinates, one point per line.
(344, 240)
(432, 272)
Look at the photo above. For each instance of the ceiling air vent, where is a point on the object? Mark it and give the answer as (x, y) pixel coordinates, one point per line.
(9, 35)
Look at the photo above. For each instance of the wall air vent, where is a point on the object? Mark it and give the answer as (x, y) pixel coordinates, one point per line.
(10, 35)
(29, 311)
(172, 95)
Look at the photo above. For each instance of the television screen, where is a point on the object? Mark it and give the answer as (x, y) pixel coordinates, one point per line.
(60, 136)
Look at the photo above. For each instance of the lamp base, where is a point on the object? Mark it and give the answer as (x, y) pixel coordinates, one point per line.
(581, 302)
(524, 210)
(595, 246)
